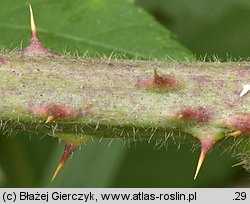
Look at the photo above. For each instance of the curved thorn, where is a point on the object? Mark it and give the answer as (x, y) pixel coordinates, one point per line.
(35, 47)
(200, 162)
(57, 171)
(68, 151)
(50, 119)
(180, 116)
(235, 133)
(32, 22)
(206, 145)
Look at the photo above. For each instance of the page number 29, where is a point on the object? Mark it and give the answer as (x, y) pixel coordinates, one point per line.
(240, 196)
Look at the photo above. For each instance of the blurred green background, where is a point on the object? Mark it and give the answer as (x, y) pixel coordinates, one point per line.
(144, 29)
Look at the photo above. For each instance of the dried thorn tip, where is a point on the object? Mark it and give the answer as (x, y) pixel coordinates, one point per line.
(206, 145)
(235, 133)
(239, 122)
(180, 116)
(158, 83)
(198, 114)
(68, 151)
(32, 22)
(200, 162)
(50, 119)
(57, 171)
(156, 75)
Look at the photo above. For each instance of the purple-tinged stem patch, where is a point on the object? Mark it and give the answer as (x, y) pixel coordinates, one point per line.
(57, 111)
(3, 61)
(157, 82)
(241, 124)
(198, 114)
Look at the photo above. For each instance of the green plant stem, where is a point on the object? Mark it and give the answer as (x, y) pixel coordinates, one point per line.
(118, 109)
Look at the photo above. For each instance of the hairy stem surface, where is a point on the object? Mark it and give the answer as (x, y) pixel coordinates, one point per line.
(105, 100)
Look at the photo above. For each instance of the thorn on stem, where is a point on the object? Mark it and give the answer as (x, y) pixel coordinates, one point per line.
(240, 123)
(198, 114)
(156, 76)
(206, 145)
(57, 111)
(50, 119)
(68, 151)
(158, 83)
(32, 23)
(235, 133)
(35, 46)
(200, 162)
(180, 116)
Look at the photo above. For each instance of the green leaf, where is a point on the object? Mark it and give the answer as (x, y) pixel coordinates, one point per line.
(92, 26)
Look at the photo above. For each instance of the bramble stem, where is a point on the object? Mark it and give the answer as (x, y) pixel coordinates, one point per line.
(111, 104)
(75, 99)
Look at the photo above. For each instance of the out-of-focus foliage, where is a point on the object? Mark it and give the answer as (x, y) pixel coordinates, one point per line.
(206, 27)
